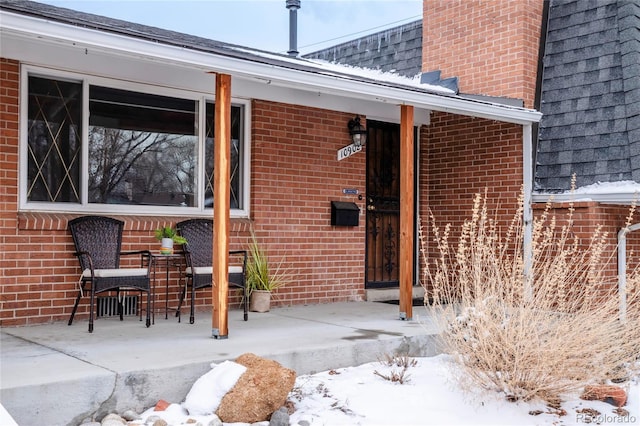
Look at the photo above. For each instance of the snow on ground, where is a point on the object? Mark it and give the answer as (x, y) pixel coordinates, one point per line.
(359, 396)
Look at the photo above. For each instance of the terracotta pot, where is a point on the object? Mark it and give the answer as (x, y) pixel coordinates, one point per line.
(260, 301)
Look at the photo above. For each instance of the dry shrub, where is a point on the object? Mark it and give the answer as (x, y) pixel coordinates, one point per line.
(538, 331)
(401, 360)
(398, 364)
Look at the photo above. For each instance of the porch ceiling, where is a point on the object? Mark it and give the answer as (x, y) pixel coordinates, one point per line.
(253, 65)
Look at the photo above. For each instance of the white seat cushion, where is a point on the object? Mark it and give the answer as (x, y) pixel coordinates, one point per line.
(202, 270)
(121, 272)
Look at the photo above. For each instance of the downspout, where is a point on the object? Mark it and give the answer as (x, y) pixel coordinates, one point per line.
(527, 212)
(622, 268)
(530, 152)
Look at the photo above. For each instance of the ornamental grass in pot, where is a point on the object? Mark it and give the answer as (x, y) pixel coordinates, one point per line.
(262, 278)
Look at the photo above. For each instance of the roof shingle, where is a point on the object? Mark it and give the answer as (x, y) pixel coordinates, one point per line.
(398, 49)
(590, 91)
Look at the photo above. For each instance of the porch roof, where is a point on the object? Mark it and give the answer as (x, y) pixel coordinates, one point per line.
(32, 20)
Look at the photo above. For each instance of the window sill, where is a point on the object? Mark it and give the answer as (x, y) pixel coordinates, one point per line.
(41, 221)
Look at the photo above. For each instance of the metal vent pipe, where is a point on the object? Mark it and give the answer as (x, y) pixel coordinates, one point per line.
(293, 6)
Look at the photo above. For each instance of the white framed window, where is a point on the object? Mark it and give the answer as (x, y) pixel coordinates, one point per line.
(92, 144)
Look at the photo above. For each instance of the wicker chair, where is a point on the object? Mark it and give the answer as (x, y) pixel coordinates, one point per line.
(97, 242)
(199, 271)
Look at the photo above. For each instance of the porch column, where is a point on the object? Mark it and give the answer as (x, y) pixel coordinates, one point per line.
(406, 211)
(222, 138)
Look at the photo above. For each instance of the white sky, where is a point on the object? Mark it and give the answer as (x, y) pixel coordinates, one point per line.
(261, 24)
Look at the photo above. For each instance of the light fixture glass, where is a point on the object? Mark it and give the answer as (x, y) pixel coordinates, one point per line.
(357, 131)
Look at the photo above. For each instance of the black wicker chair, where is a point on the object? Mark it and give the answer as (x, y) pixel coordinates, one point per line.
(97, 241)
(198, 253)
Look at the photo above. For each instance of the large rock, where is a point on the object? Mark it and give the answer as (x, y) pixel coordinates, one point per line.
(611, 394)
(260, 391)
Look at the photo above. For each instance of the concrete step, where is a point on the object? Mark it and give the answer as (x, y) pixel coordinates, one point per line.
(56, 374)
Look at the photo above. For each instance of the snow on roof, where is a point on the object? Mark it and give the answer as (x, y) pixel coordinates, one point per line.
(389, 77)
(620, 192)
(332, 67)
(621, 187)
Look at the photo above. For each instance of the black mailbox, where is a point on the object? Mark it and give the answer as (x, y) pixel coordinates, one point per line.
(344, 213)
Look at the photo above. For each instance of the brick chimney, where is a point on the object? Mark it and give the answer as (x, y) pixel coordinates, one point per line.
(490, 45)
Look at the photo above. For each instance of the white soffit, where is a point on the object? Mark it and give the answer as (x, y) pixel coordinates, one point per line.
(281, 75)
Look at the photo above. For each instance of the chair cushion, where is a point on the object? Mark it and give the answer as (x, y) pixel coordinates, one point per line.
(120, 272)
(208, 270)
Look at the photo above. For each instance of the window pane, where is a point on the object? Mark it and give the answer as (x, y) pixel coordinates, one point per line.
(236, 156)
(54, 148)
(142, 148)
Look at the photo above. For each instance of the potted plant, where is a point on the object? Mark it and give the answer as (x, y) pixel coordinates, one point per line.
(261, 278)
(168, 236)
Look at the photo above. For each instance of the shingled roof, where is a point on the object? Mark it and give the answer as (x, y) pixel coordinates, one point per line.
(590, 88)
(407, 40)
(182, 40)
(28, 19)
(590, 95)
(396, 50)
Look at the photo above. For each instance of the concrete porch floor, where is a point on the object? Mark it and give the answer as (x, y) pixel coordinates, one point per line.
(56, 374)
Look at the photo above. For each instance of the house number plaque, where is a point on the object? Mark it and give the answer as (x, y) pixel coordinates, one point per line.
(348, 151)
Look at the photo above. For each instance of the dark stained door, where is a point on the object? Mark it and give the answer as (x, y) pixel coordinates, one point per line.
(383, 204)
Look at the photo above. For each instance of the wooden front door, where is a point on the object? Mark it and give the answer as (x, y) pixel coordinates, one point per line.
(383, 204)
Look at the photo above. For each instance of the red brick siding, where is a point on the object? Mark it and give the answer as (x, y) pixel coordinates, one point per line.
(41, 272)
(460, 157)
(295, 176)
(491, 45)
(587, 216)
(11, 287)
(464, 156)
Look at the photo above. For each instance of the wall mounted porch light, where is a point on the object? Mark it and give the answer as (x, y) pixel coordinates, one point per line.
(357, 131)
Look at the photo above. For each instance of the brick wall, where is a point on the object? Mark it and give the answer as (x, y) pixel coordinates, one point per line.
(587, 217)
(460, 157)
(10, 291)
(42, 273)
(491, 45)
(295, 176)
